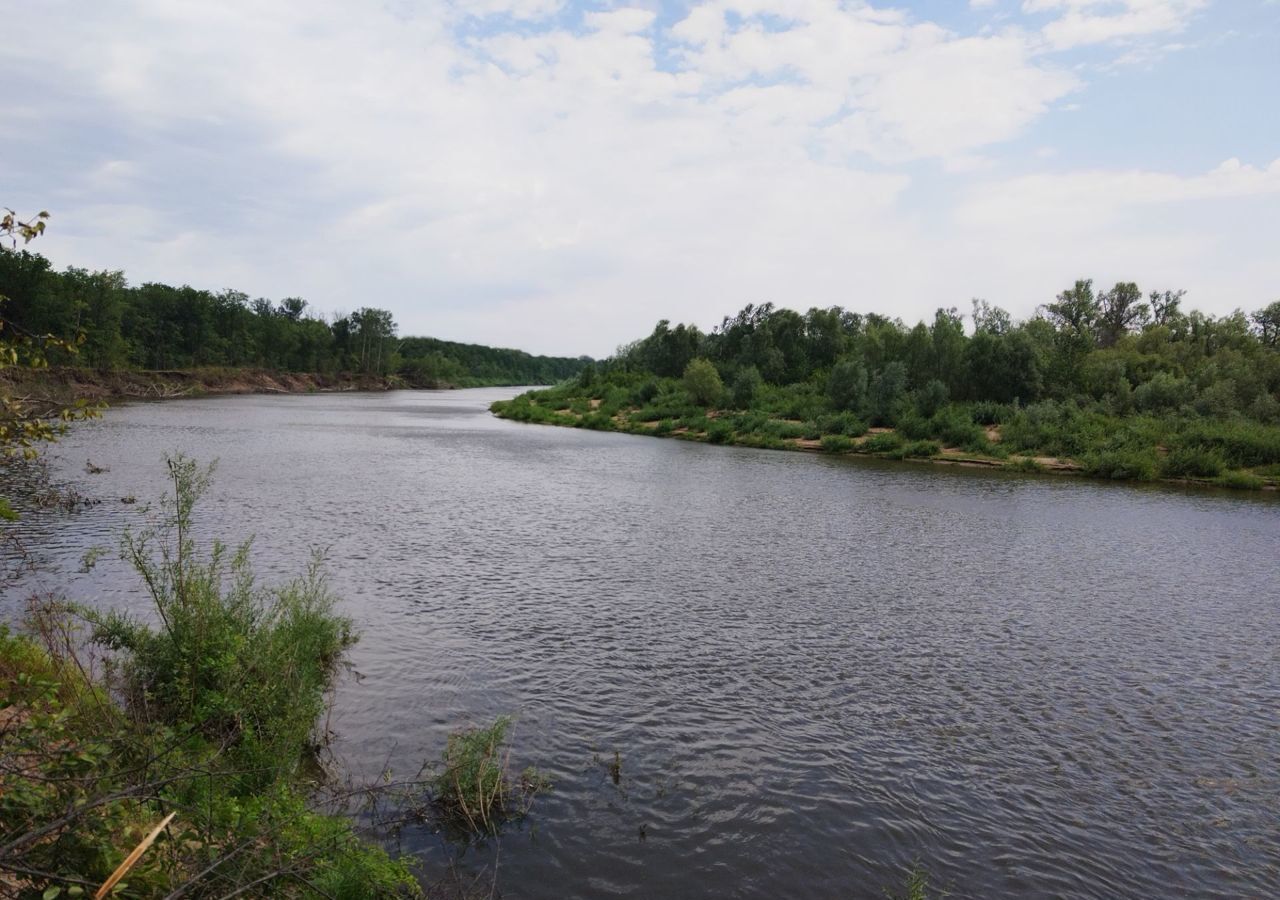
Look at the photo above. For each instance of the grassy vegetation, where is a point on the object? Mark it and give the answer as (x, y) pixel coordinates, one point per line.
(206, 710)
(1049, 435)
(210, 714)
(474, 791)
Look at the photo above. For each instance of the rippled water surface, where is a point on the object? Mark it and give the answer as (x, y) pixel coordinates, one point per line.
(816, 671)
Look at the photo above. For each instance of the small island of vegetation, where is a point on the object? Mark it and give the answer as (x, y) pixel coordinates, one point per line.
(1111, 384)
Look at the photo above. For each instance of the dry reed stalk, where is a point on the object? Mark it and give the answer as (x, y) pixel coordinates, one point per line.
(131, 860)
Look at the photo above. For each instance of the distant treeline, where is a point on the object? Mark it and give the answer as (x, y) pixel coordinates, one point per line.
(1113, 383)
(161, 327)
(1117, 348)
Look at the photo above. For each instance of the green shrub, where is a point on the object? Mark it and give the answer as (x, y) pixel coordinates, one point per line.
(1133, 464)
(913, 426)
(703, 383)
(1241, 481)
(931, 398)
(847, 385)
(746, 385)
(247, 667)
(1241, 444)
(474, 792)
(208, 714)
(646, 392)
(921, 449)
(783, 431)
(884, 442)
(1163, 392)
(988, 412)
(666, 426)
(845, 423)
(719, 432)
(1192, 462)
(836, 443)
(955, 428)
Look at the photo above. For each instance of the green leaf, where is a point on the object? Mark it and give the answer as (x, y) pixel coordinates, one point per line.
(51, 893)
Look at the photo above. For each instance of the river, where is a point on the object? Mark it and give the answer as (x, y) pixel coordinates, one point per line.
(816, 672)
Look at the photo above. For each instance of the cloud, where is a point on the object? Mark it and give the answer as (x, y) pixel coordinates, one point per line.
(529, 174)
(1082, 22)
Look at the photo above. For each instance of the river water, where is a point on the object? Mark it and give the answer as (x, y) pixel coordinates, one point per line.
(816, 672)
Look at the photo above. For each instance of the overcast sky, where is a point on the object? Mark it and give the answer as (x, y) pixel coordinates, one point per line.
(558, 176)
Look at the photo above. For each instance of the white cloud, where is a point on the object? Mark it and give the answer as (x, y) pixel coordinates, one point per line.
(1098, 21)
(553, 186)
(1085, 199)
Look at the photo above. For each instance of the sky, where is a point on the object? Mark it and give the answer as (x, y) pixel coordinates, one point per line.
(559, 176)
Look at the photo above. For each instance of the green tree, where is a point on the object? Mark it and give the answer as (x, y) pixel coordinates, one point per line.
(746, 386)
(888, 387)
(1119, 309)
(702, 381)
(847, 385)
(1267, 323)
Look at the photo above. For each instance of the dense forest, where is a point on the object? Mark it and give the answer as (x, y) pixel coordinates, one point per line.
(1112, 383)
(161, 327)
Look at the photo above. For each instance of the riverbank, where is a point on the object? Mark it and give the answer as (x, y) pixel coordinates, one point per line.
(64, 385)
(973, 445)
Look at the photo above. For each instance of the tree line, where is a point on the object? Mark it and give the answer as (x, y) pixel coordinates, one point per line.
(1117, 347)
(161, 327)
(1113, 383)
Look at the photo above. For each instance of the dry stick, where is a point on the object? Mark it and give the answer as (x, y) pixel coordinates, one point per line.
(38, 873)
(208, 870)
(132, 859)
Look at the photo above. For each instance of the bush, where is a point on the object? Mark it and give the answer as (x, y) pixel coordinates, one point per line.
(1241, 481)
(474, 792)
(846, 424)
(746, 384)
(1162, 392)
(887, 389)
(913, 426)
(931, 398)
(1265, 408)
(783, 431)
(922, 449)
(987, 412)
(836, 443)
(884, 442)
(847, 385)
(703, 383)
(646, 392)
(1241, 444)
(1192, 462)
(719, 432)
(247, 667)
(1121, 464)
(1219, 400)
(955, 428)
(210, 715)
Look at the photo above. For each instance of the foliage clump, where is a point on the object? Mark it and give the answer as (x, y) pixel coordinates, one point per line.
(210, 714)
(474, 791)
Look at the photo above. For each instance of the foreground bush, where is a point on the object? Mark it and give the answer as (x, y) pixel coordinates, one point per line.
(208, 715)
